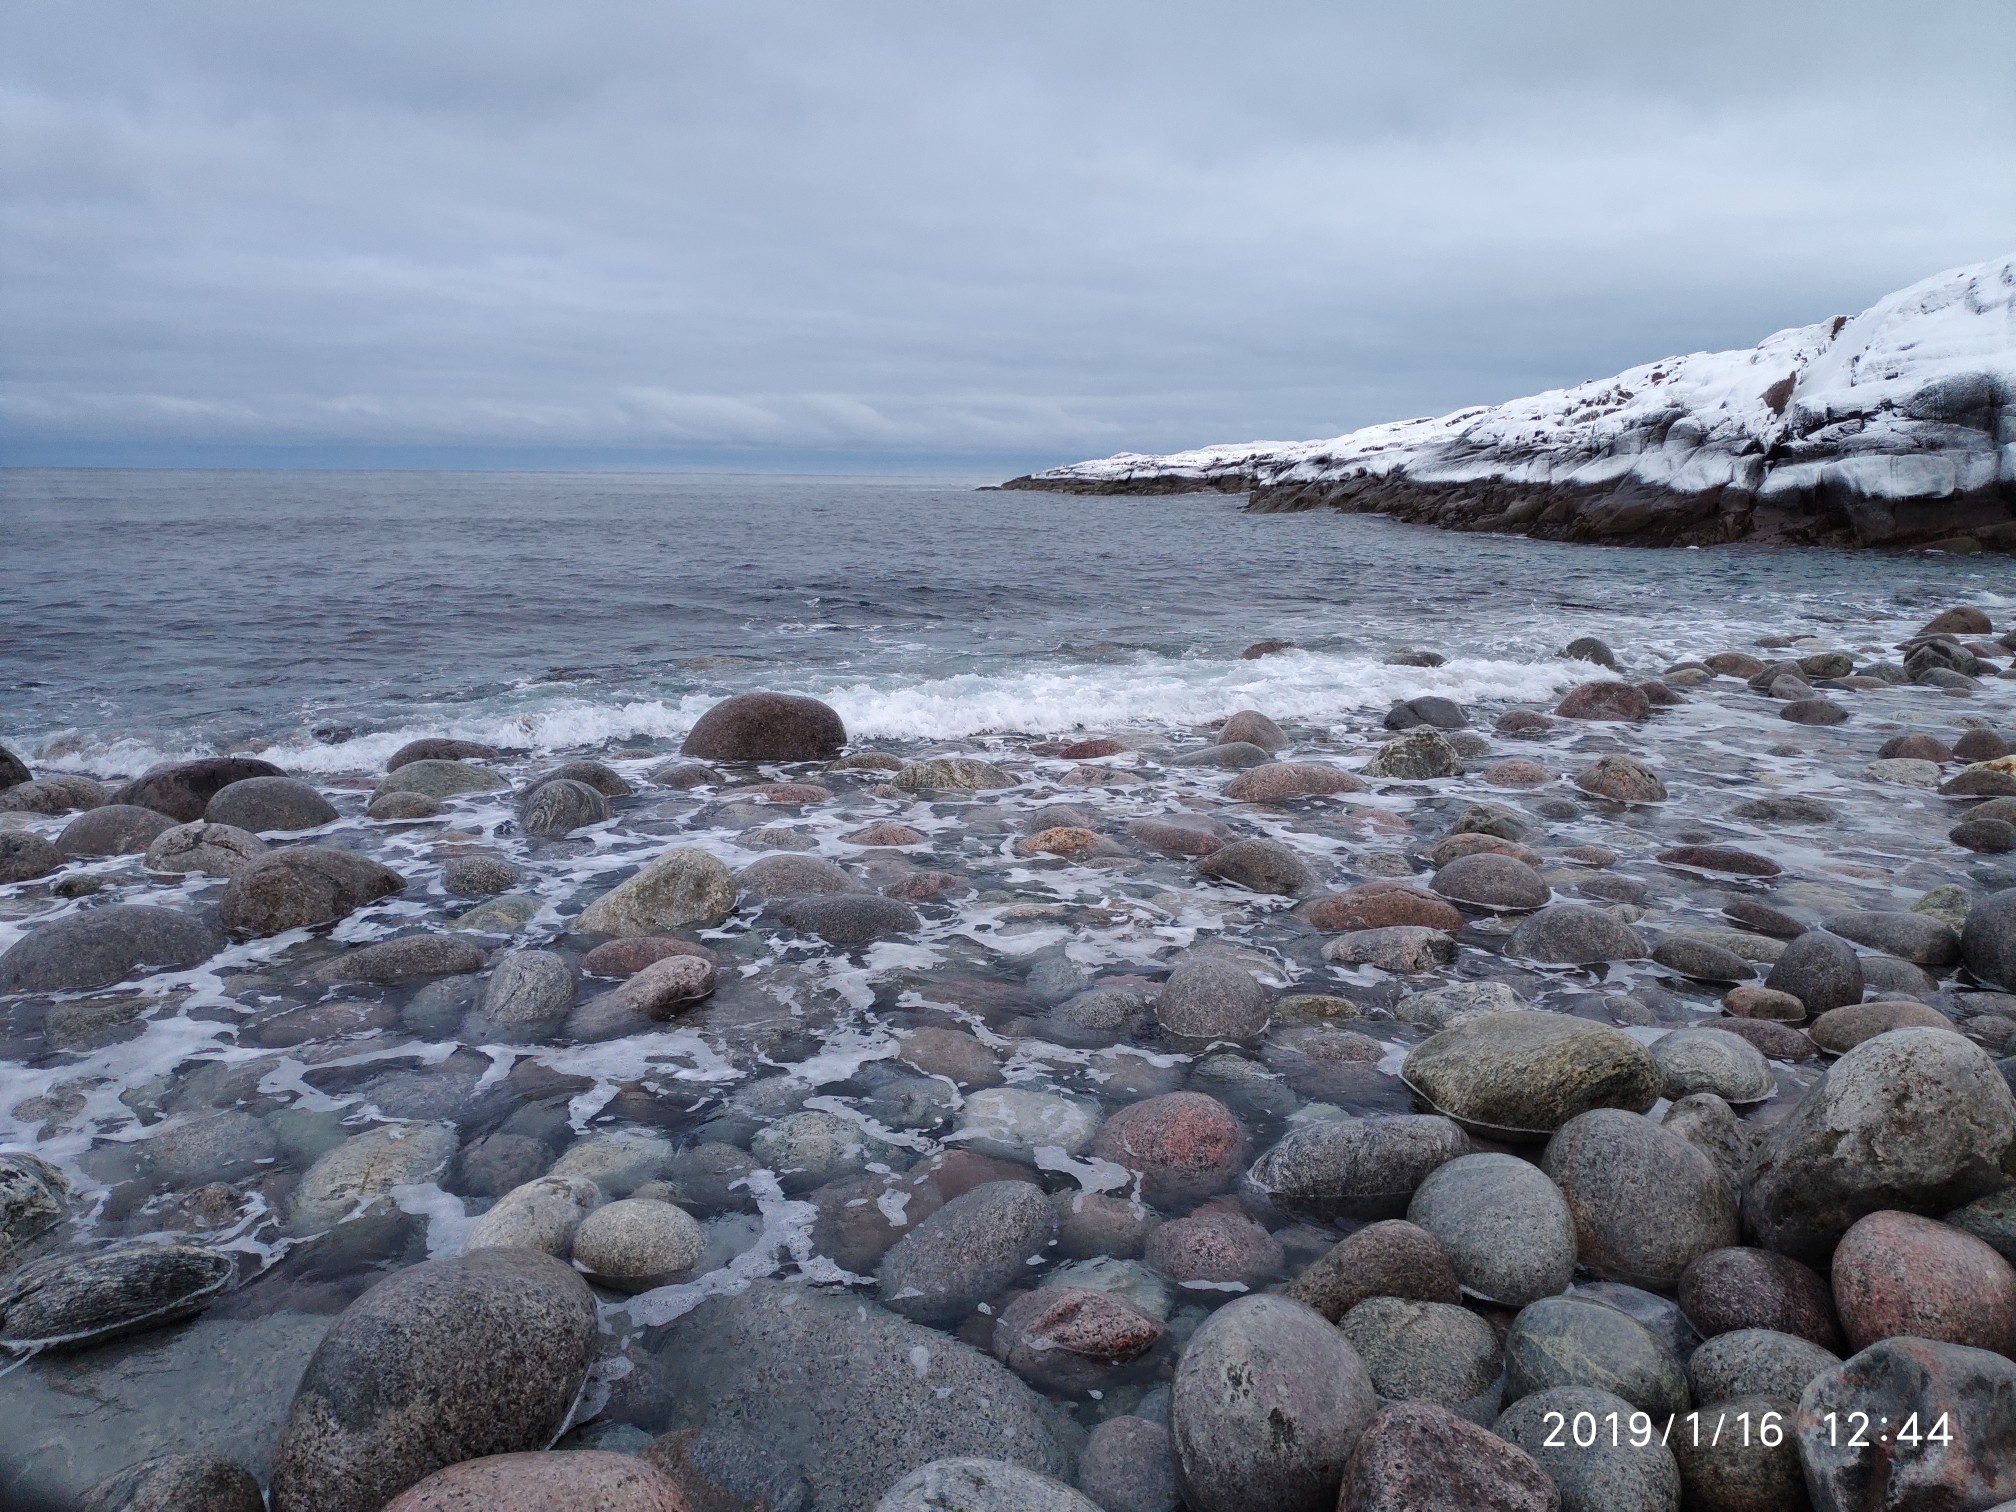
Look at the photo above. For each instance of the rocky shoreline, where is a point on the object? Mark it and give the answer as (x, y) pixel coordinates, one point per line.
(1587, 1106)
(1894, 428)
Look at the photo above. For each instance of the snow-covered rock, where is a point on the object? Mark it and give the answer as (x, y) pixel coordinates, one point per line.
(1896, 426)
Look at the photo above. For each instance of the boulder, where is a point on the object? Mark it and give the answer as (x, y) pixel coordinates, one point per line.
(302, 887)
(559, 806)
(1571, 1341)
(437, 780)
(1235, 757)
(1919, 1120)
(1505, 1228)
(1492, 881)
(1380, 905)
(177, 1483)
(1129, 1465)
(68, 1301)
(437, 748)
(1522, 1075)
(1423, 1351)
(1068, 1339)
(114, 829)
(846, 919)
(1278, 781)
(680, 888)
(979, 1485)
(1417, 756)
(102, 946)
(1756, 1362)
(1255, 728)
(969, 1251)
(1611, 1473)
(1898, 1273)
(1614, 701)
(1403, 949)
(401, 960)
(445, 1361)
(1915, 1381)
(1209, 998)
(52, 795)
(951, 774)
(1268, 1402)
(536, 1482)
(1418, 1457)
(1183, 1145)
(184, 789)
(634, 1244)
(768, 879)
(1646, 1202)
(1713, 1061)
(541, 1215)
(260, 804)
(357, 1175)
(1621, 779)
(1264, 866)
(1355, 1168)
(1988, 942)
(1016, 1123)
(855, 1395)
(1735, 1288)
(1574, 934)
(1913, 937)
(1391, 1258)
(25, 856)
(766, 727)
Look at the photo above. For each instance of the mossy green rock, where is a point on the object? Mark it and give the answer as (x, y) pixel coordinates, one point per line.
(1521, 1075)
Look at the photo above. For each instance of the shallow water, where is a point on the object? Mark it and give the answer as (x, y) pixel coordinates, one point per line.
(322, 620)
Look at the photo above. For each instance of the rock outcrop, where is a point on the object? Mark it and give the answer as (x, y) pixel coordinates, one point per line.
(1896, 427)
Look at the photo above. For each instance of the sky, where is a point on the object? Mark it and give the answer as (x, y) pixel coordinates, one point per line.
(857, 236)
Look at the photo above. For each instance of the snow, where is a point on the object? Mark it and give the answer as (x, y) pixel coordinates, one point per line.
(1871, 407)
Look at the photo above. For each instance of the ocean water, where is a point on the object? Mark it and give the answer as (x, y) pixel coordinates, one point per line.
(321, 619)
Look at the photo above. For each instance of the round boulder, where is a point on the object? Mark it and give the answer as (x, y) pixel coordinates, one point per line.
(1756, 1362)
(177, 1483)
(117, 829)
(766, 727)
(970, 1250)
(1183, 1145)
(581, 1478)
(1521, 1075)
(1486, 880)
(25, 856)
(1391, 1258)
(103, 946)
(1898, 1273)
(561, 805)
(1574, 934)
(302, 887)
(1208, 998)
(445, 1361)
(1712, 1060)
(184, 789)
(1919, 1120)
(682, 887)
(1355, 1167)
(1988, 941)
(1569, 1341)
(1268, 1402)
(1506, 1229)
(260, 804)
(1646, 1202)
(1819, 969)
(1733, 1289)
(1416, 1456)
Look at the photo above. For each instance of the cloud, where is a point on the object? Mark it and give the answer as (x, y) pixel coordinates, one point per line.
(940, 233)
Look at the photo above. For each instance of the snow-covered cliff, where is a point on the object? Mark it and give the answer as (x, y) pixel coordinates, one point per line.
(1894, 427)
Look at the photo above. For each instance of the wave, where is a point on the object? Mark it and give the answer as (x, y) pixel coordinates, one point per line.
(1147, 693)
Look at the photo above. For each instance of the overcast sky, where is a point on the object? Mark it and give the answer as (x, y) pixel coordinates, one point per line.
(849, 236)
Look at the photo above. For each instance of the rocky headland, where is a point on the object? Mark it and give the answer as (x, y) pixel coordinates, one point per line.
(1895, 427)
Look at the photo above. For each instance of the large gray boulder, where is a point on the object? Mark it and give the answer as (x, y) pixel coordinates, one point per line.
(183, 790)
(1268, 1402)
(260, 804)
(101, 946)
(449, 1360)
(115, 829)
(1988, 940)
(973, 1248)
(302, 887)
(1520, 1075)
(680, 888)
(1646, 1202)
(856, 1395)
(1919, 1120)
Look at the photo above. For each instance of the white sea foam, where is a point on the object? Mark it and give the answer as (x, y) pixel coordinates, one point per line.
(1148, 693)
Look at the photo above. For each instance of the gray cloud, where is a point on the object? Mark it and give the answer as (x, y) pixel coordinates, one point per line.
(874, 232)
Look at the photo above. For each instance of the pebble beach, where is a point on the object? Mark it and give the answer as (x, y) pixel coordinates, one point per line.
(1484, 1098)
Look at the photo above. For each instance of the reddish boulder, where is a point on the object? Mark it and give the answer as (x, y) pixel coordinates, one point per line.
(624, 958)
(1417, 1457)
(1517, 772)
(1378, 905)
(1900, 1274)
(1069, 1338)
(1728, 1289)
(1620, 701)
(536, 1482)
(1090, 750)
(1214, 1245)
(1184, 1145)
(1720, 858)
(1392, 1258)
